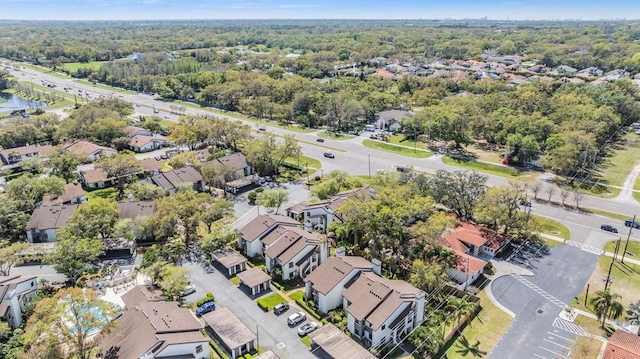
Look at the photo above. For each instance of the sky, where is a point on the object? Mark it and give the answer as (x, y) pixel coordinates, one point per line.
(317, 9)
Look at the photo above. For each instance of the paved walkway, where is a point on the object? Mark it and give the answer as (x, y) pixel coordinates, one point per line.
(626, 194)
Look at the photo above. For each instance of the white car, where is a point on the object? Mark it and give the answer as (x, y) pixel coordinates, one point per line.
(189, 290)
(296, 318)
(307, 328)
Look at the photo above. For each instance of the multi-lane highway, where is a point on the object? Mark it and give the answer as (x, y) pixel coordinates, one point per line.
(353, 157)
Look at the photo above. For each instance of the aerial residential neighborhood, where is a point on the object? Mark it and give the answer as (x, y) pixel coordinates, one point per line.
(301, 185)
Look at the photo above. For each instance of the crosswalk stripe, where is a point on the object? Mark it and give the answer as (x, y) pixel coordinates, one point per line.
(540, 291)
(568, 326)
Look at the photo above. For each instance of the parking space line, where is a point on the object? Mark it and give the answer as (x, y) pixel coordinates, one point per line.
(539, 290)
(538, 356)
(551, 351)
(560, 336)
(560, 345)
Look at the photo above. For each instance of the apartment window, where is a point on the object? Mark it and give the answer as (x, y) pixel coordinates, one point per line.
(290, 264)
(199, 349)
(383, 326)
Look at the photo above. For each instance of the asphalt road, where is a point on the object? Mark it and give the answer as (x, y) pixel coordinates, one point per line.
(273, 331)
(537, 332)
(357, 156)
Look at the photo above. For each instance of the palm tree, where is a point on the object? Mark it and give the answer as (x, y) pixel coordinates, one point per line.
(461, 307)
(633, 313)
(606, 305)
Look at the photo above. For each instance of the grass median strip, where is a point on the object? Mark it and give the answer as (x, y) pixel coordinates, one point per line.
(401, 150)
(484, 167)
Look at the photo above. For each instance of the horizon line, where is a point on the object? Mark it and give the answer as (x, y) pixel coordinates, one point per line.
(324, 19)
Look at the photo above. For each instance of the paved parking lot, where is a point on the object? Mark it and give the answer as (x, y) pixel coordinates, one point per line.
(559, 275)
(273, 331)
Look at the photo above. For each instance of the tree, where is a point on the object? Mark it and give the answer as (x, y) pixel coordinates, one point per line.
(564, 194)
(10, 255)
(499, 208)
(28, 190)
(426, 340)
(64, 165)
(144, 191)
(536, 187)
(218, 237)
(67, 323)
(460, 307)
(178, 211)
(551, 190)
(633, 313)
(173, 280)
(94, 219)
(459, 190)
(268, 152)
(606, 305)
(121, 167)
(273, 198)
(577, 197)
(72, 255)
(216, 211)
(426, 276)
(13, 220)
(33, 165)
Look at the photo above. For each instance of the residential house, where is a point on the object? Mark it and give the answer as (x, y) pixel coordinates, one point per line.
(319, 216)
(326, 285)
(616, 75)
(472, 247)
(230, 259)
(73, 194)
(45, 222)
(384, 74)
(250, 236)
(170, 181)
(14, 155)
(622, 345)
(230, 332)
(294, 250)
(142, 143)
(255, 280)
(89, 149)
(235, 169)
(96, 178)
(380, 310)
(566, 70)
(150, 166)
(150, 329)
(590, 72)
(14, 292)
(136, 209)
(333, 342)
(131, 131)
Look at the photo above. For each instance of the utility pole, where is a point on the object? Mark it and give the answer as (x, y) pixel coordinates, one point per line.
(369, 166)
(257, 338)
(628, 236)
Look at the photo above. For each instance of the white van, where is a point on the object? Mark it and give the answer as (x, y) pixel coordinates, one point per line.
(370, 128)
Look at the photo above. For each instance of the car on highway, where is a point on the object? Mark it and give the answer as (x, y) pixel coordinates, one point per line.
(205, 308)
(280, 308)
(329, 155)
(631, 223)
(320, 139)
(262, 128)
(296, 318)
(609, 228)
(307, 328)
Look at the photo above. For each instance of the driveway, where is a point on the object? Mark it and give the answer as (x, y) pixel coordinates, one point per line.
(273, 331)
(536, 331)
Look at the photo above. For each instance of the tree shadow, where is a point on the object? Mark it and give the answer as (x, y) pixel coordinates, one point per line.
(465, 348)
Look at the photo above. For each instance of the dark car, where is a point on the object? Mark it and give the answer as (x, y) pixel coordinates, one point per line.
(329, 155)
(205, 308)
(320, 139)
(631, 223)
(524, 202)
(280, 308)
(262, 128)
(609, 228)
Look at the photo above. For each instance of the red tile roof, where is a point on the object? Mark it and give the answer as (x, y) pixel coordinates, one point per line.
(622, 345)
(383, 73)
(468, 264)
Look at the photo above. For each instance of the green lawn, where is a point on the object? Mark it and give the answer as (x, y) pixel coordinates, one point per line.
(272, 300)
(235, 280)
(306, 341)
(625, 281)
(43, 70)
(107, 87)
(593, 326)
(297, 295)
(554, 228)
(388, 147)
(401, 140)
(312, 162)
(611, 215)
(633, 248)
(332, 136)
(73, 67)
(490, 168)
(616, 168)
(486, 329)
(107, 193)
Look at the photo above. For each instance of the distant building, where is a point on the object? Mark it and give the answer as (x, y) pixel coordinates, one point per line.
(45, 222)
(170, 181)
(89, 149)
(73, 194)
(14, 155)
(14, 292)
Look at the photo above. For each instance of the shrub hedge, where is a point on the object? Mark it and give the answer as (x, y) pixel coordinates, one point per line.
(218, 350)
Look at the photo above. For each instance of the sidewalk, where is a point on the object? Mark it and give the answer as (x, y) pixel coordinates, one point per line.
(626, 258)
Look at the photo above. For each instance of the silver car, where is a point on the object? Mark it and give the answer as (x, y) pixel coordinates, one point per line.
(296, 318)
(307, 328)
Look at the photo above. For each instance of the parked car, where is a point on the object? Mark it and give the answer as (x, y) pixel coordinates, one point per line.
(164, 157)
(296, 318)
(329, 155)
(524, 202)
(609, 228)
(280, 308)
(205, 308)
(307, 328)
(320, 139)
(631, 223)
(262, 128)
(189, 290)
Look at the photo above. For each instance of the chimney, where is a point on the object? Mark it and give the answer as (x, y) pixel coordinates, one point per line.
(377, 266)
(340, 251)
(130, 197)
